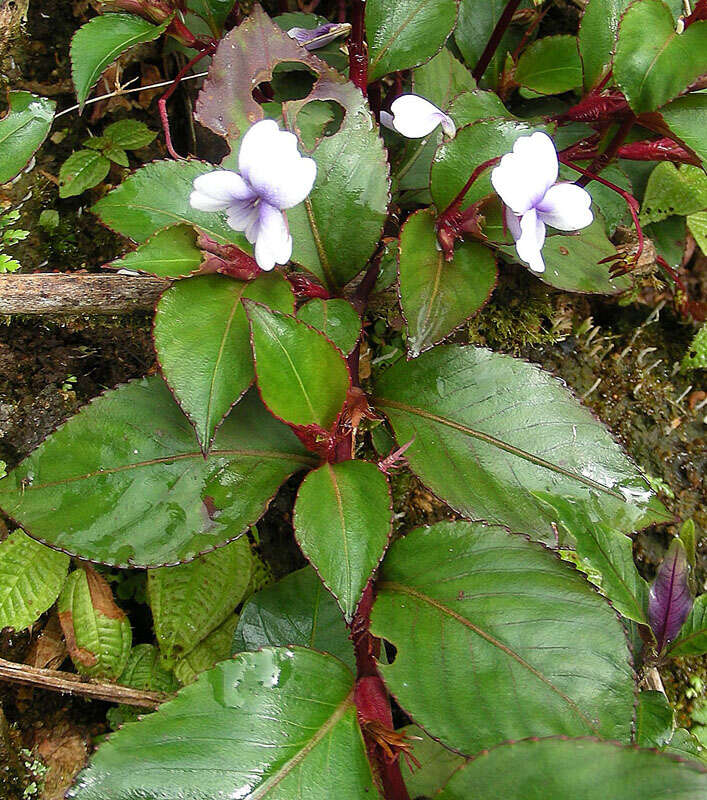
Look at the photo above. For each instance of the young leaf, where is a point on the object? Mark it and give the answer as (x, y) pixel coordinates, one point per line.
(145, 670)
(485, 625)
(488, 430)
(129, 134)
(438, 296)
(336, 319)
(280, 723)
(190, 600)
(301, 376)
(117, 155)
(581, 768)
(31, 577)
(296, 610)
(550, 65)
(203, 342)
(670, 601)
(692, 638)
(82, 170)
(653, 62)
(686, 117)
(106, 484)
(97, 632)
(654, 720)
(214, 648)
(343, 520)
(98, 43)
(22, 130)
(405, 33)
(170, 253)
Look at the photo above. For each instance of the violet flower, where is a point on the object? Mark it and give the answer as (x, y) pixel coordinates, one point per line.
(272, 177)
(314, 38)
(526, 182)
(414, 117)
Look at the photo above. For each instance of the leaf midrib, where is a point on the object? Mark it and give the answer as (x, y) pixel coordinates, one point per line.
(395, 34)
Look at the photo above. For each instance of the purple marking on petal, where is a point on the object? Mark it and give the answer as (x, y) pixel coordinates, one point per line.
(313, 39)
(670, 600)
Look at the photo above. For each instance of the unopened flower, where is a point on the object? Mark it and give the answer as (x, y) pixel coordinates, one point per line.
(314, 38)
(272, 177)
(526, 181)
(415, 117)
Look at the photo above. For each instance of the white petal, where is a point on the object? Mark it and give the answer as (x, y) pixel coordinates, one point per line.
(523, 176)
(203, 202)
(566, 207)
(274, 243)
(416, 117)
(530, 243)
(241, 215)
(258, 140)
(513, 224)
(223, 185)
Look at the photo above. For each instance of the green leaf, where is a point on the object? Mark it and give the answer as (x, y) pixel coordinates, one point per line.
(437, 764)
(654, 720)
(597, 38)
(170, 253)
(586, 769)
(97, 632)
(145, 671)
(441, 79)
(485, 625)
(692, 639)
(31, 577)
(157, 196)
(296, 610)
(696, 356)
(129, 134)
(22, 130)
(685, 745)
(469, 107)
(668, 237)
(116, 154)
(653, 63)
(405, 33)
(674, 190)
(124, 481)
(203, 342)
(213, 12)
(438, 296)
(697, 223)
(336, 319)
(302, 377)
(191, 600)
(550, 65)
(686, 117)
(489, 430)
(614, 210)
(343, 521)
(280, 723)
(82, 170)
(98, 43)
(214, 648)
(607, 551)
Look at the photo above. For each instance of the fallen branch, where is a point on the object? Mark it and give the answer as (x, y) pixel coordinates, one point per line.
(69, 683)
(57, 293)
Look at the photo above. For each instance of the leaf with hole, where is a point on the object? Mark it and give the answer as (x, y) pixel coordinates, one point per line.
(31, 577)
(336, 319)
(282, 720)
(170, 253)
(22, 130)
(124, 481)
(203, 342)
(438, 296)
(489, 430)
(550, 65)
(485, 624)
(342, 521)
(297, 610)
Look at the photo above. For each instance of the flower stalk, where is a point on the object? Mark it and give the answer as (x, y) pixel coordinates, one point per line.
(495, 40)
(358, 59)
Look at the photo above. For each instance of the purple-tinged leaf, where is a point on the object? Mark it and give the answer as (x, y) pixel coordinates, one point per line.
(670, 600)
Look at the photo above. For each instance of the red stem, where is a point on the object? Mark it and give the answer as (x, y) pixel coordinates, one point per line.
(605, 158)
(358, 59)
(495, 40)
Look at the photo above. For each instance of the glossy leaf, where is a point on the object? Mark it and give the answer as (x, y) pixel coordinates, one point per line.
(653, 63)
(437, 296)
(550, 65)
(203, 342)
(489, 430)
(587, 769)
(157, 196)
(343, 520)
(437, 763)
(405, 33)
(99, 42)
(441, 79)
(469, 107)
(597, 38)
(670, 600)
(170, 253)
(31, 577)
(214, 648)
(106, 484)
(296, 610)
(82, 170)
(129, 134)
(22, 130)
(686, 117)
(686, 745)
(190, 600)
(673, 190)
(654, 720)
(301, 376)
(144, 670)
(692, 638)
(280, 723)
(97, 632)
(336, 319)
(485, 625)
